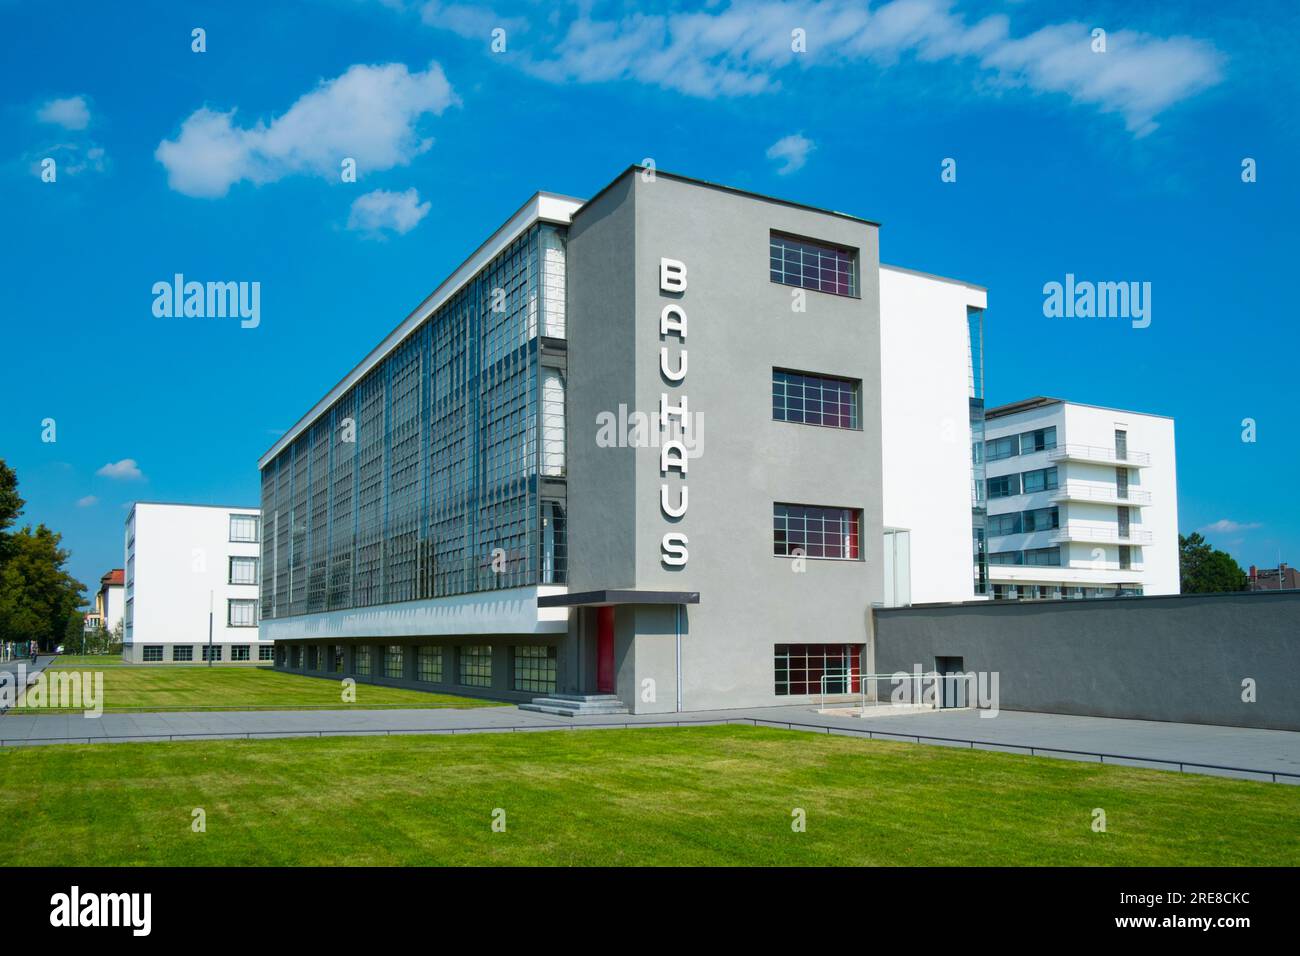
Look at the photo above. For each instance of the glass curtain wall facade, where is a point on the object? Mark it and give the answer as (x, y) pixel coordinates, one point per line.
(978, 501)
(423, 479)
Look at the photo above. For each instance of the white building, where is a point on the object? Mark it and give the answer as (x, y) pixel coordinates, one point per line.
(1082, 501)
(930, 330)
(183, 561)
(110, 600)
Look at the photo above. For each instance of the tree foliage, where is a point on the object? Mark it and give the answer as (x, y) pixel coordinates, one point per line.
(1203, 569)
(37, 594)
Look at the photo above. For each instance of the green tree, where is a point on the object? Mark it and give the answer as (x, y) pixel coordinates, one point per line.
(37, 594)
(1203, 569)
(11, 504)
(74, 632)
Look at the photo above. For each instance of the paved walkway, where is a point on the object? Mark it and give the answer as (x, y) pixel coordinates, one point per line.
(9, 672)
(1131, 742)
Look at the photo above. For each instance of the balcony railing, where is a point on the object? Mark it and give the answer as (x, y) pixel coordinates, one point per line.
(1072, 491)
(1097, 453)
(1083, 533)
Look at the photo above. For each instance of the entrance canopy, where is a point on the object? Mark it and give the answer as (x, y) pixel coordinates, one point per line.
(612, 597)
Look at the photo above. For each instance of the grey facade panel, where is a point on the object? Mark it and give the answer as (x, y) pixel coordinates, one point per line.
(741, 326)
(1176, 658)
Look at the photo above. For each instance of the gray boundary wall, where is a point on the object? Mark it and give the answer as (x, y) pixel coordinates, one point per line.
(1177, 658)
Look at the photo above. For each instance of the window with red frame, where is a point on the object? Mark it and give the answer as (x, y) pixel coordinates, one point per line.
(817, 668)
(815, 532)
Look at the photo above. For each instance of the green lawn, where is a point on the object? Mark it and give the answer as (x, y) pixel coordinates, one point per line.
(712, 795)
(195, 687)
(100, 660)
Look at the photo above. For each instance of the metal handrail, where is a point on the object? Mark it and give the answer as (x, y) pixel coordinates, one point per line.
(1098, 453)
(847, 677)
(1081, 533)
(1109, 495)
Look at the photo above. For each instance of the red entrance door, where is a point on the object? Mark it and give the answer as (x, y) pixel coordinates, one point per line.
(605, 650)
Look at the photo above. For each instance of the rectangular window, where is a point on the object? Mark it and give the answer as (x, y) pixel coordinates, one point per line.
(311, 657)
(1007, 557)
(1044, 479)
(476, 666)
(338, 658)
(212, 652)
(1003, 486)
(534, 669)
(243, 570)
(428, 665)
(995, 449)
(243, 528)
(361, 659)
(241, 612)
(1043, 557)
(1004, 524)
(182, 653)
(815, 399)
(295, 656)
(813, 265)
(1041, 519)
(1125, 557)
(239, 652)
(153, 652)
(393, 661)
(1040, 439)
(815, 532)
(812, 668)
(266, 652)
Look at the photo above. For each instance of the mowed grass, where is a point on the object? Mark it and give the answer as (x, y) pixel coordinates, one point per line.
(710, 795)
(195, 687)
(96, 660)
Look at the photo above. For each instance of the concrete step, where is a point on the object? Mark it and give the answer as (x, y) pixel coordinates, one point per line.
(577, 705)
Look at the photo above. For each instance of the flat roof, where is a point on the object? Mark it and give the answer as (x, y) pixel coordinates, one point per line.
(1043, 401)
(691, 180)
(934, 276)
(191, 504)
(609, 597)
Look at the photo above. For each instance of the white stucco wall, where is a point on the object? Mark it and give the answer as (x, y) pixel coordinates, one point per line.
(181, 560)
(925, 384)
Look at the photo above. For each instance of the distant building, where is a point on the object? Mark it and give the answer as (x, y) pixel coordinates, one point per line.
(182, 562)
(1082, 501)
(1281, 578)
(110, 601)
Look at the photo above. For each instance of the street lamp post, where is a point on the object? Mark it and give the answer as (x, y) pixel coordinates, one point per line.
(209, 628)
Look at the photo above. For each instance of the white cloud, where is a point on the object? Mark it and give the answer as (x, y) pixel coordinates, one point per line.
(380, 210)
(470, 21)
(125, 469)
(71, 159)
(1227, 526)
(70, 112)
(370, 114)
(791, 152)
(741, 49)
(87, 502)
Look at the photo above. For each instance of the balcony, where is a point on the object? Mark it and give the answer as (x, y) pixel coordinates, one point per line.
(1099, 494)
(1075, 532)
(1098, 455)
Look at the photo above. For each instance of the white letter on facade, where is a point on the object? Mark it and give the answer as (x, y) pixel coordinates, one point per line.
(670, 510)
(674, 549)
(672, 275)
(670, 374)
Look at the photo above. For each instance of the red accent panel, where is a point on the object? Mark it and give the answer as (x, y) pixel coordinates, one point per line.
(604, 650)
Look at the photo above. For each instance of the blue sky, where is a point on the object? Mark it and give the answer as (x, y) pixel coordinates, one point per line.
(224, 165)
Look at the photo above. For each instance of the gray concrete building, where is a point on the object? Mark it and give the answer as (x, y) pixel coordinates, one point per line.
(631, 447)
